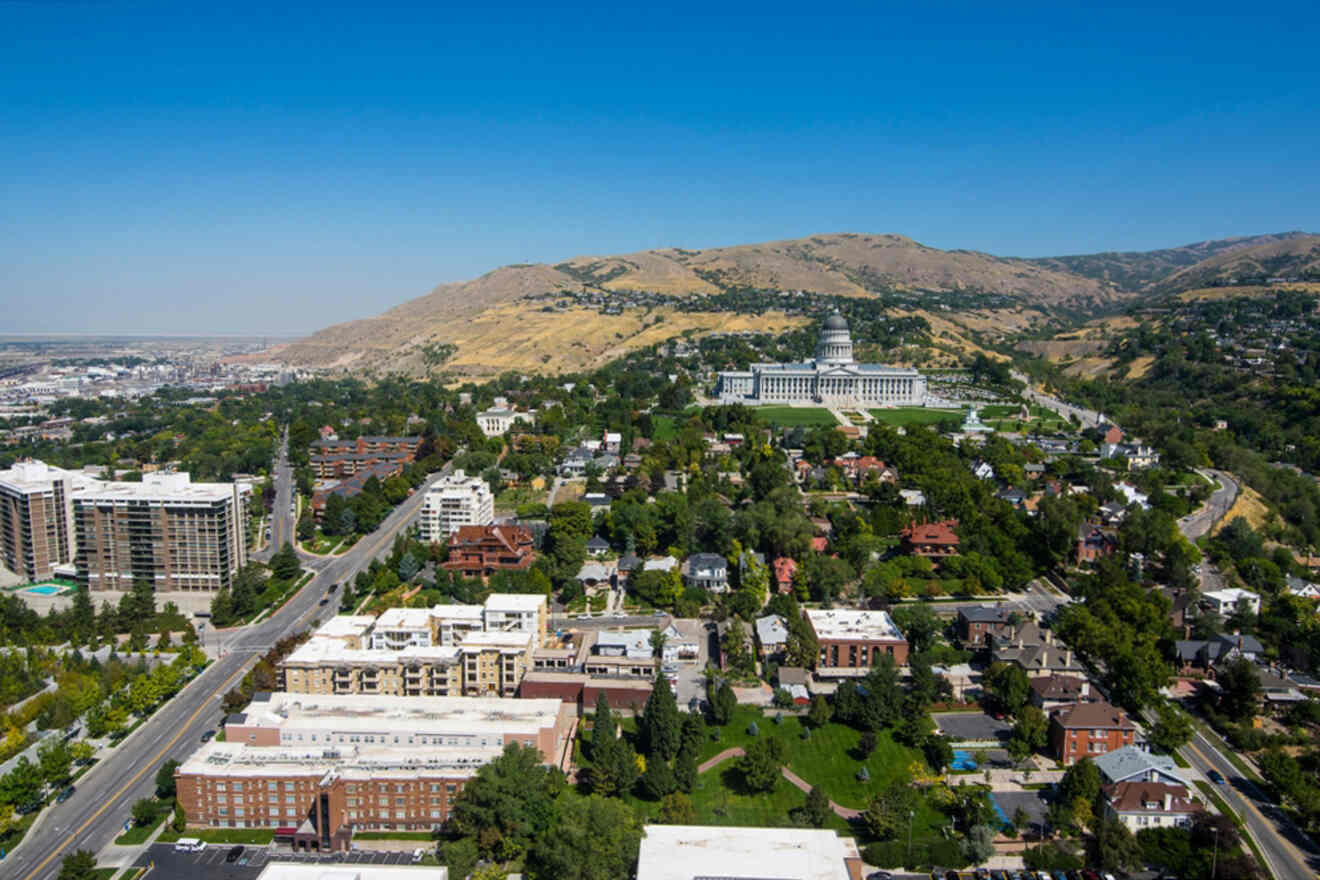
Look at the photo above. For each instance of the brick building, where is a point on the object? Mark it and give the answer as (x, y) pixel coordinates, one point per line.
(852, 641)
(36, 517)
(979, 623)
(1086, 730)
(935, 541)
(480, 551)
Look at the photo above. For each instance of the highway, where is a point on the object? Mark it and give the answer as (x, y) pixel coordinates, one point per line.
(95, 814)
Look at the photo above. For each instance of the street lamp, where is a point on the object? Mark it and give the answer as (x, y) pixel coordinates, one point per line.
(1214, 857)
(911, 813)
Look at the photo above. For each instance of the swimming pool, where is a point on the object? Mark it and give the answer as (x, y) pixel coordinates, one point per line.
(963, 760)
(46, 590)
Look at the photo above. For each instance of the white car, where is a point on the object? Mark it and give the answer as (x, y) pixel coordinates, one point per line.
(418, 854)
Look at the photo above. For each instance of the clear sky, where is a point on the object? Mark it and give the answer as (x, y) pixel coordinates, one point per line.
(275, 167)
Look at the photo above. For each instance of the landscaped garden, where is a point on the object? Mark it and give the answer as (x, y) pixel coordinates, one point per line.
(910, 416)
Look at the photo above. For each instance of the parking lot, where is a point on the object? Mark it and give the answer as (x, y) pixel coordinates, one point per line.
(210, 864)
(1032, 801)
(972, 727)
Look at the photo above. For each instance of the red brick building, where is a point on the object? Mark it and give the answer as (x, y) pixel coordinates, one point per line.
(934, 541)
(479, 551)
(1094, 543)
(785, 570)
(1086, 730)
(853, 641)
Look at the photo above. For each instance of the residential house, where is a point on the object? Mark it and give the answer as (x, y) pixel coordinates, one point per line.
(1052, 691)
(771, 635)
(976, 624)
(1087, 730)
(935, 541)
(707, 571)
(1224, 602)
(1093, 542)
(785, 569)
(1140, 805)
(1202, 656)
(479, 551)
(1302, 588)
(598, 546)
(1133, 764)
(797, 681)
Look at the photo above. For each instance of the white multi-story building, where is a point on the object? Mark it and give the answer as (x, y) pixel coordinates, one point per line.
(458, 500)
(36, 517)
(833, 378)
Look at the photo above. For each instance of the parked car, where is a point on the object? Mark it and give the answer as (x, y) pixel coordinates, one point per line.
(234, 853)
(879, 875)
(208, 736)
(418, 854)
(65, 795)
(1216, 777)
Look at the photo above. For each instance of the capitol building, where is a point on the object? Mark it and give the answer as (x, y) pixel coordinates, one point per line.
(833, 378)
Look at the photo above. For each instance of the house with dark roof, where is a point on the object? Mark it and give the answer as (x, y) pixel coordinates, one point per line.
(1054, 690)
(707, 571)
(1201, 657)
(598, 546)
(1094, 543)
(979, 623)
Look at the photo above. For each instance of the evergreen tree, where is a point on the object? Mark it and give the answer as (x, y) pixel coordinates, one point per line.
(659, 725)
(658, 779)
(685, 769)
(604, 730)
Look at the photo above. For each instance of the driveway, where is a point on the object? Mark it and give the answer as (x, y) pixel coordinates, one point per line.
(972, 727)
(692, 673)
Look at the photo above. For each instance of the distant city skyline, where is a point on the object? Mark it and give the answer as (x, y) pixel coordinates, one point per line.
(192, 170)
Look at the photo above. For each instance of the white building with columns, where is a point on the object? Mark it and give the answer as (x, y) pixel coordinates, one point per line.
(833, 378)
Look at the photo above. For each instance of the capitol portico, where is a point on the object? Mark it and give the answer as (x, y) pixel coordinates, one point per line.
(833, 377)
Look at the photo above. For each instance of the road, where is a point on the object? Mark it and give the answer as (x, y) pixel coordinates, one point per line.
(95, 814)
(1289, 853)
(281, 520)
(1088, 418)
(1200, 521)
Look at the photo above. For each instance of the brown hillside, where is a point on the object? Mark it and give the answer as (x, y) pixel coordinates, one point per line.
(1293, 258)
(847, 264)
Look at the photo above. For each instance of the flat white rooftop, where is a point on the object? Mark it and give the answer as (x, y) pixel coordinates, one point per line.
(37, 476)
(346, 625)
(325, 650)
(457, 612)
(692, 852)
(514, 601)
(297, 871)
(350, 712)
(487, 639)
(351, 762)
(157, 487)
(404, 618)
(848, 623)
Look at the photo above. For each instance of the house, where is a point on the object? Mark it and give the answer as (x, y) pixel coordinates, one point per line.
(1180, 601)
(1033, 471)
(983, 470)
(934, 541)
(1141, 805)
(771, 635)
(1035, 650)
(598, 546)
(628, 563)
(1133, 764)
(1087, 730)
(851, 641)
(1016, 497)
(1303, 589)
(1203, 656)
(1093, 543)
(1054, 690)
(977, 623)
(660, 563)
(479, 551)
(1224, 602)
(785, 569)
(722, 630)
(797, 681)
(707, 571)
(1112, 434)
(595, 574)
(679, 646)
(612, 441)
(912, 497)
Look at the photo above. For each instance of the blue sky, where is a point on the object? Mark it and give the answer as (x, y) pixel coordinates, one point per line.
(189, 168)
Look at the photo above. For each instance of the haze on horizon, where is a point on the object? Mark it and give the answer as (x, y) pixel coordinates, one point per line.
(185, 169)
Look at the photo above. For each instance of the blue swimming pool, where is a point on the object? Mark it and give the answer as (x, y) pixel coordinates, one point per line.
(963, 760)
(46, 590)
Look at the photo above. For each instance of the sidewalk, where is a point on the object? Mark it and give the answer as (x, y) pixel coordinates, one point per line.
(112, 855)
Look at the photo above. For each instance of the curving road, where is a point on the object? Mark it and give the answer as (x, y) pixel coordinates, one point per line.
(95, 814)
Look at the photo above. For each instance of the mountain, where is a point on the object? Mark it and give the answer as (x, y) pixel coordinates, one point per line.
(585, 311)
(1137, 270)
(1295, 258)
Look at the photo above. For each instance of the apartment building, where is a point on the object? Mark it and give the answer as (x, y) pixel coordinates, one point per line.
(1088, 730)
(447, 650)
(319, 768)
(853, 641)
(36, 517)
(177, 534)
(480, 551)
(456, 501)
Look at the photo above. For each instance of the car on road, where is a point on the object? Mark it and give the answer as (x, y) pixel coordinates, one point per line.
(208, 736)
(65, 795)
(1216, 777)
(234, 853)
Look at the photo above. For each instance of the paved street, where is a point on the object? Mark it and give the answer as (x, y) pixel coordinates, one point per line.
(1086, 417)
(96, 812)
(1199, 522)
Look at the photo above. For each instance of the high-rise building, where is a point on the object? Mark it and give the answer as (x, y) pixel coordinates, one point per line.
(457, 500)
(176, 534)
(36, 517)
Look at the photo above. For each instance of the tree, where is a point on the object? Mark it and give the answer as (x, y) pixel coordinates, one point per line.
(1008, 686)
(887, 812)
(21, 785)
(460, 856)
(979, 845)
(1171, 730)
(819, 714)
(78, 865)
(659, 725)
(165, 784)
(284, 564)
(802, 648)
(1021, 819)
(1239, 688)
(1115, 847)
(1030, 733)
(761, 763)
(614, 767)
(658, 778)
(145, 811)
(866, 744)
(738, 657)
(591, 838)
(56, 761)
(604, 729)
(919, 624)
(722, 701)
(509, 803)
(816, 811)
(676, 809)
(685, 769)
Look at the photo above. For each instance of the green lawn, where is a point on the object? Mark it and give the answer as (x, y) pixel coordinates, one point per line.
(908, 416)
(393, 835)
(663, 429)
(718, 800)
(139, 833)
(795, 416)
